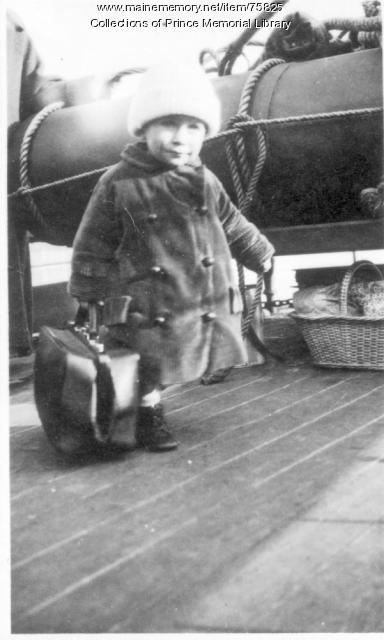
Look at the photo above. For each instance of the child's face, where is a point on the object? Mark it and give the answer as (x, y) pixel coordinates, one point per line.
(175, 140)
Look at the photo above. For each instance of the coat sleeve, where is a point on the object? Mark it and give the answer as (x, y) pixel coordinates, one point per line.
(95, 244)
(248, 245)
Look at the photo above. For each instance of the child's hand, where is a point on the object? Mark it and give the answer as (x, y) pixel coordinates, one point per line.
(267, 265)
(84, 306)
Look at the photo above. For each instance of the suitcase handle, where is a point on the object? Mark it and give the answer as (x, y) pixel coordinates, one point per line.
(88, 320)
(93, 319)
(89, 313)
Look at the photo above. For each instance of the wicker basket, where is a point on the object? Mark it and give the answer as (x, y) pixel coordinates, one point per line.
(344, 340)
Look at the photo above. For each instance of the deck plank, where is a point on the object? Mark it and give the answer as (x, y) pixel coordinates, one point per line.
(176, 500)
(56, 496)
(252, 525)
(154, 580)
(221, 397)
(292, 584)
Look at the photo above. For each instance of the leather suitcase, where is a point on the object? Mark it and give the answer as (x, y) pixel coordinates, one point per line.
(86, 397)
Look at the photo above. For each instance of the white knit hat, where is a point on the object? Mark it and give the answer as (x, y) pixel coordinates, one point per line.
(174, 88)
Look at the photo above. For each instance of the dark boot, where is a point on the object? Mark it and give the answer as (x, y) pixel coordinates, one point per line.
(151, 430)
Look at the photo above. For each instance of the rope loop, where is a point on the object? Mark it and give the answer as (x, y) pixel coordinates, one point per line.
(245, 178)
(252, 81)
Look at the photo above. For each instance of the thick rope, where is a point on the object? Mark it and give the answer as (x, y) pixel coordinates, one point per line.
(245, 181)
(350, 24)
(21, 191)
(25, 149)
(288, 120)
(244, 174)
(253, 306)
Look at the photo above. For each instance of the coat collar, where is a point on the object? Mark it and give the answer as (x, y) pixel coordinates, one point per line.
(185, 183)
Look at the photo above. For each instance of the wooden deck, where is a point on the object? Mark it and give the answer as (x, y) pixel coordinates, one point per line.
(269, 517)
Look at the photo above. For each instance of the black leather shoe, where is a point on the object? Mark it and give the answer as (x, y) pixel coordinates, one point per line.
(151, 430)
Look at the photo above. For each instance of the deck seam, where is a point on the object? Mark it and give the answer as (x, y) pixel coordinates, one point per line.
(342, 521)
(242, 404)
(105, 569)
(182, 484)
(85, 581)
(201, 444)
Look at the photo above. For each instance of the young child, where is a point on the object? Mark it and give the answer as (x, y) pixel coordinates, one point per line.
(156, 243)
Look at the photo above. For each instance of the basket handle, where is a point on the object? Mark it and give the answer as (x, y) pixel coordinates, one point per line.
(346, 282)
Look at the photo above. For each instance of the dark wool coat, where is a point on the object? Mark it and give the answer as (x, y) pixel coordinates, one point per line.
(156, 244)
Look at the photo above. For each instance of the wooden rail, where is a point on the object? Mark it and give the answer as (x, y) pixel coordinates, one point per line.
(358, 235)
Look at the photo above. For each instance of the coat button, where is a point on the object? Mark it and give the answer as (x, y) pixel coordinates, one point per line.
(208, 261)
(209, 316)
(203, 211)
(157, 271)
(152, 217)
(159, 321)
